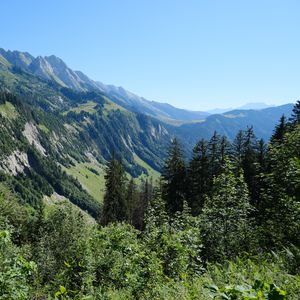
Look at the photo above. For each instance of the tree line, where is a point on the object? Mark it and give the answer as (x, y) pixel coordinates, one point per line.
(246, 193)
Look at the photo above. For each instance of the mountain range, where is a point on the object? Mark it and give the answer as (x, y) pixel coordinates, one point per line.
(53, 116)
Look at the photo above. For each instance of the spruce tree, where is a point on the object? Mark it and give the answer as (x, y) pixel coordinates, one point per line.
(238, 150)
(249, 160)
(214, 154)
(280, 131)
(174, 179)
(114, 205)
(132, 197)
(295, 118)
(198, 177)
(144, 198)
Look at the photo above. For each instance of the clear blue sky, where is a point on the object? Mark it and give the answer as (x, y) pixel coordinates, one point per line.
(191, 53)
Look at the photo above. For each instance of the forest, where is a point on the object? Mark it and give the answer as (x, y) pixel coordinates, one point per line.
(221, 224)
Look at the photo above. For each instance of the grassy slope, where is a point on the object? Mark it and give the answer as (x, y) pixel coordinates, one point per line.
(91, 182)
(87, 107)
(94, 184)
(8, 110)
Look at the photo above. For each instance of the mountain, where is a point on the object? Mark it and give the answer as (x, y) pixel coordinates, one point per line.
(54, 141)
(255, 105)
(58, 128)
(229, 123)
(250, 105)
(53, 68)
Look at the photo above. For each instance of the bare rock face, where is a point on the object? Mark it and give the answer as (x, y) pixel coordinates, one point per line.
(15, 163)
(31, 133)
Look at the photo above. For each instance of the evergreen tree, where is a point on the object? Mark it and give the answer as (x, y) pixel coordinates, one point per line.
(225, 149)
(114, 205)
(132, 197)
(143, 200)
(249, 161)
(225, 216)
(174, 178)
(295, 118)
(280, 131)
(198, 177)
(238, 150)
(214, 154)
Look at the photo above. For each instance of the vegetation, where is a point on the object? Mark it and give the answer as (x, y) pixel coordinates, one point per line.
(224, 225)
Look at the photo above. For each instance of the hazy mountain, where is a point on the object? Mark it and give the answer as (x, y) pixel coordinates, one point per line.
(53, 68)
(229, 123)
(50, 127)
(250, 105)
(255, 105)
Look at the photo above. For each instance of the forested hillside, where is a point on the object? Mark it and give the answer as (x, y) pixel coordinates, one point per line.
(225, 225)
(102, 201)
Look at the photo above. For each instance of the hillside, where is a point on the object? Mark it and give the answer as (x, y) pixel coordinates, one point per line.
(48, 131)
(80, 128)
(55, 69)
(229, 123)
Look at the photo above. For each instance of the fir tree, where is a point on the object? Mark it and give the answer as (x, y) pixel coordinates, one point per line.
(132, 197)
(198, 177)
(114, 206)
(238, 149)
(295, 118)
(214, 154)
(280, 131)
(174, 178)
(144, 198)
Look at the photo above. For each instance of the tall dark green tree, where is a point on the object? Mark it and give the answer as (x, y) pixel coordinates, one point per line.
(214, 154)
(280, 131)
(114, 205)
(198, 177)
(249, 160)
(295, 118)
(174, 178)
(238, 150)
(144, 198)
(132, 199)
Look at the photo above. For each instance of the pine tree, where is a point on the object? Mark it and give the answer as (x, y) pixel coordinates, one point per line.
(114, 206)
(225, 216)
(174, 179)
(198, 177)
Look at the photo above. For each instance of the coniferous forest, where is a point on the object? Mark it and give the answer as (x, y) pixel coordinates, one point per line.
(222, 223)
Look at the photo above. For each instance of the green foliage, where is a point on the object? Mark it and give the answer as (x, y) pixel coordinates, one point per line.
(225, 219)
(15, 271)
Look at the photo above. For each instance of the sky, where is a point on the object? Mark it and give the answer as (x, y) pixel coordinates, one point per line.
(194, 54)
